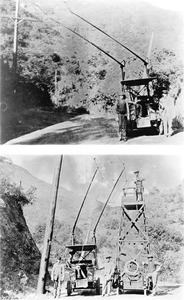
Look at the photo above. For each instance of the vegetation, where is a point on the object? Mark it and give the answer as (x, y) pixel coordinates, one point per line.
(58, 69)
(165, 228)
(22, 197)
(20, 256)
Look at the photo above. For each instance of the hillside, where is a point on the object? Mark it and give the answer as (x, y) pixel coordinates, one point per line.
(56, 68)
(68, 202)
(20, 256)
(164, 215)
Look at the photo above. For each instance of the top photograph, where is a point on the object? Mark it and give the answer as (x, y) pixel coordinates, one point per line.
(92, 72)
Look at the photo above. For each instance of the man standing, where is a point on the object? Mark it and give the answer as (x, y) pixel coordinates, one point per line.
(122, 110)
(152, 268)
(167, 112)
(108, 272)
(57, 276)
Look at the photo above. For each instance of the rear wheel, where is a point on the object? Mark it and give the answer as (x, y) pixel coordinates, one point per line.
(69, 288)
(98, 291)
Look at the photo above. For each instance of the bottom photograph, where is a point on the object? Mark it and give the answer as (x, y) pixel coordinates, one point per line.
(91, 226)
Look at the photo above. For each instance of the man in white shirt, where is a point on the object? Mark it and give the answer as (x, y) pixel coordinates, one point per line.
(108, 272)
(57, 276)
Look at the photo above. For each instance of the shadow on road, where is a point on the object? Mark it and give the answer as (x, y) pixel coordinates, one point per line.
(166, 290)
(143, 131)
(90, 130)
(85, 130)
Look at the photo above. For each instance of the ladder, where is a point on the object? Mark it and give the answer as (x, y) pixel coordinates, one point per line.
(133, 242)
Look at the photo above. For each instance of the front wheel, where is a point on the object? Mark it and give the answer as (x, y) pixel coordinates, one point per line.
(117, 291)
(145, 292)
(69, 288)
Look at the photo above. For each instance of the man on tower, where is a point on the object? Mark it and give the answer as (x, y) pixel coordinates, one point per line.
(139, 189)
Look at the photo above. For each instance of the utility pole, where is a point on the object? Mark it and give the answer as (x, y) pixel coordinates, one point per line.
(49, 229)
(15, 39)
(17, 20)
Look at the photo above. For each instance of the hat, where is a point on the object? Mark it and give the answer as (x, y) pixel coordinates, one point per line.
(150, 255)
(123, 95)
(108, 256)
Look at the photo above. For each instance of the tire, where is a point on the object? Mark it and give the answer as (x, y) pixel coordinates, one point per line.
(150, 285)
(117, 291)
(145, 292)
(161, 128)
(98, 289)
(69, 288)
(131, 273)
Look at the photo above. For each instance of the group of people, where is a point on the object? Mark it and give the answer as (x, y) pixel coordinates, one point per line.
(151, 267)
(151, 270)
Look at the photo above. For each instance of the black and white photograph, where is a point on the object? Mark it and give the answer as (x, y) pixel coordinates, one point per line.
(92, 226)
(92, 72)
(91, 149)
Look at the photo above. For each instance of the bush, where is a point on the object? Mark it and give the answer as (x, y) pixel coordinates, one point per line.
(22, 197)
(178, 124)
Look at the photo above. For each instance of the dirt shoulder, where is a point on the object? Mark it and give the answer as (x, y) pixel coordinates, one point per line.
(22, 121)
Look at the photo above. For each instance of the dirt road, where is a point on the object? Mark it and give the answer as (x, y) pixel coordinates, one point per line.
(87, 129)
(164, 292)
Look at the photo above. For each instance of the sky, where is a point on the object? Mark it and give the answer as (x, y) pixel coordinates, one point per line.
(161, 171)
(62, 6)
(166, 4)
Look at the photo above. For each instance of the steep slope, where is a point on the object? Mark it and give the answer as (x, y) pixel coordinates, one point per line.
(68, 202)
(19, 253)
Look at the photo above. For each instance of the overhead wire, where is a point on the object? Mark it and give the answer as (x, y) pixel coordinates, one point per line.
(111, 202)
(138, 56)
(79, 35)
(73, 16)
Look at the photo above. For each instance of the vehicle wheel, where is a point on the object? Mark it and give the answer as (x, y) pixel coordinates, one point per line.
(145, 292)
(161, 128)
(98, 290)
(117, 291)
(69, 288)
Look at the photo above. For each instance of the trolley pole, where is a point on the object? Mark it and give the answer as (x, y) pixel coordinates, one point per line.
(49, 229)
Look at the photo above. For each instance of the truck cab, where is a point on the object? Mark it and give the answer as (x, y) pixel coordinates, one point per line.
(83, 266)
